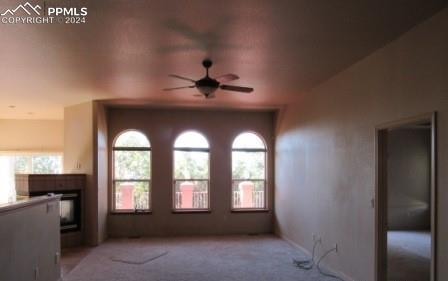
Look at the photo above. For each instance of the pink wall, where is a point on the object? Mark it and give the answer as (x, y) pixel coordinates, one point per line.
(162, 126)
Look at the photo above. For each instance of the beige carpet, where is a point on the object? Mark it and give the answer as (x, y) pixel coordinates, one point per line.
(409, 256)
(219, 258)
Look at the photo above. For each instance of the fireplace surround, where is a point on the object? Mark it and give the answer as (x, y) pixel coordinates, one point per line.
(71, 187)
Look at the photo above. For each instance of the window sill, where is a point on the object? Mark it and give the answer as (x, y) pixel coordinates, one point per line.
(114, 213)
(250, 211)
(191, 211)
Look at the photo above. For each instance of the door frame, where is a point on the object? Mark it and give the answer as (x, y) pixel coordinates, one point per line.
(381, 133)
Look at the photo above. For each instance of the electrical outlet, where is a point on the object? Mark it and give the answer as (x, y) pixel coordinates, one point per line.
(316, 238)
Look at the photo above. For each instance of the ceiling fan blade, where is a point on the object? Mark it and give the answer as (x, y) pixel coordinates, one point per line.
(227, 78)
(181, 77)
(178, 88)
(236, 88)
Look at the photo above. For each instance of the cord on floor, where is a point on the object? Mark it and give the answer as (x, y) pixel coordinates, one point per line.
(309, 264)
(306, 264)
(324, 273)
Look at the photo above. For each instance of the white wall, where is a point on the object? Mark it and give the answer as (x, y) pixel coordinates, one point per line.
(78, 138)
(85, 151)
(79, 158)
(31, 135)
(325, 152)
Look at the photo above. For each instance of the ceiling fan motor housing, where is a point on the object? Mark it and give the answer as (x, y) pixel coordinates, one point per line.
(207, 85)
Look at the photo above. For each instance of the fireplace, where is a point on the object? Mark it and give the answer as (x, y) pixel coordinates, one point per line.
(71, 187)
(70, 209)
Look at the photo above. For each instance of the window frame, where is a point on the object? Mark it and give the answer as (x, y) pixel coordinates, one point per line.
(174, 180)
(266, 173)
(114, 210)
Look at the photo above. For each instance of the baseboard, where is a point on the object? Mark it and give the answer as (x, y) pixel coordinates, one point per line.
(323, 264)
(294, 244)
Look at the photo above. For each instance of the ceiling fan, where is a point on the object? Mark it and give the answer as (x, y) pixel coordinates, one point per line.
(207, 85)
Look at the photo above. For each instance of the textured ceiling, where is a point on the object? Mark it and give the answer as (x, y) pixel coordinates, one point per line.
(127, 48)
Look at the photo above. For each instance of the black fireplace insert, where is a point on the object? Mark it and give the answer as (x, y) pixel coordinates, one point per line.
(70, 209)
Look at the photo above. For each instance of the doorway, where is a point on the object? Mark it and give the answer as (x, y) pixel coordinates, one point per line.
(406, 200)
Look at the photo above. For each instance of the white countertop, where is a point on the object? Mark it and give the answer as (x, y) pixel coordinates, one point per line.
(25, 201)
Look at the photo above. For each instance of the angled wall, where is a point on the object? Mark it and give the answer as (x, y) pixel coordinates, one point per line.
(325, 152)
(85, 151)
(101, 156)
(79, 158)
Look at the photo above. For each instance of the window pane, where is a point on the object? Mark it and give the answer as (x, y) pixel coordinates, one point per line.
(248, 165)
(23, 165)
(132, 195)
(248, 194)
(132, 139)
(47, 164)
(132, 164)
(248, 140)
(38, 164)
(7, 179)
(191, 194)
(191, 165)
(191, 140)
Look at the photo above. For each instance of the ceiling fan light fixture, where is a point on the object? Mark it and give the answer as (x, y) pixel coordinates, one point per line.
(207, 86)
(205, 90)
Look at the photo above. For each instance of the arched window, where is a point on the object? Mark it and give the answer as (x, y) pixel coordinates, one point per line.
(131, 172)
(191, 172)
(248, 172)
